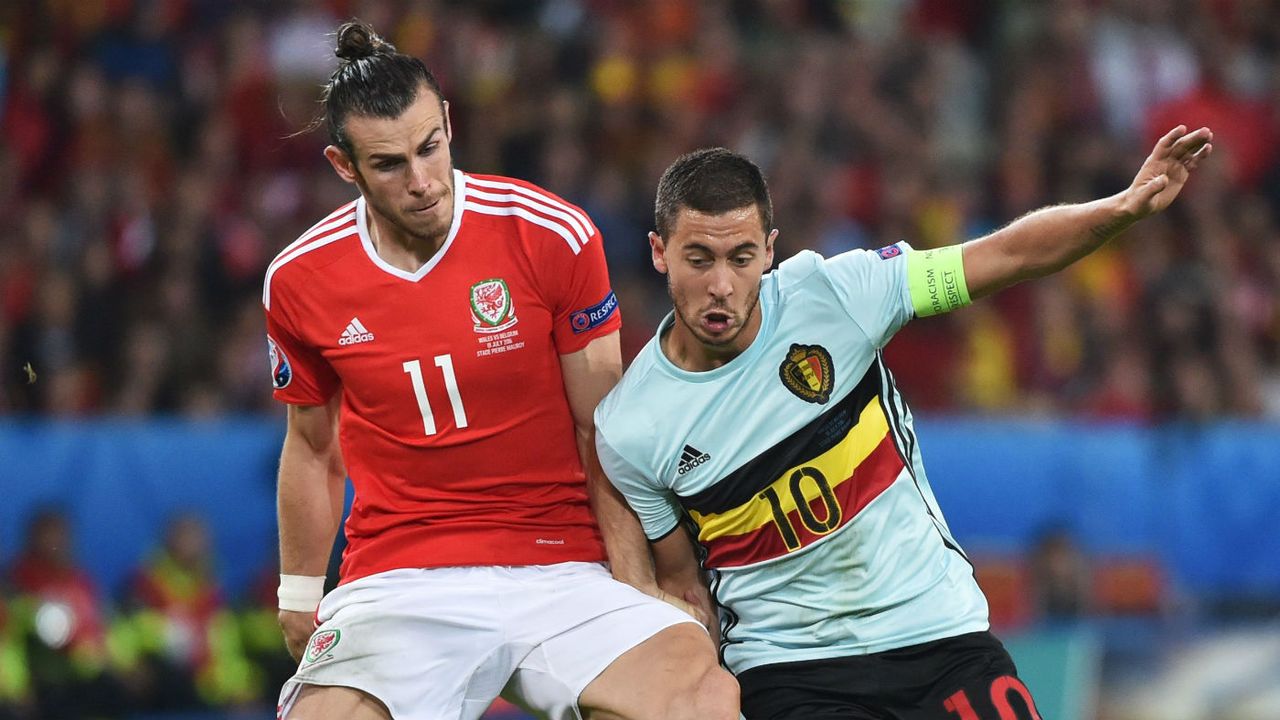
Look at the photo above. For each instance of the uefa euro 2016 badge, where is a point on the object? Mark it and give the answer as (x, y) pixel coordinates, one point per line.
(808, 373)
(281, 371)
(321, 646)
(492, 309)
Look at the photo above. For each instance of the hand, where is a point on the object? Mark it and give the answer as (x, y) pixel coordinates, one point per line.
(692, 608)
(1166, 170)
(297, 627)
(696, 604)
(709, 618)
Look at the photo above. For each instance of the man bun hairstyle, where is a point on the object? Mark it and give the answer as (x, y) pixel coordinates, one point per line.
(356, 40)
(373, 79)
(712, 181)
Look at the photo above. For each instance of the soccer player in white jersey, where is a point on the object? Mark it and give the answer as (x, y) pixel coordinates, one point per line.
(442, 340)
(761, 418)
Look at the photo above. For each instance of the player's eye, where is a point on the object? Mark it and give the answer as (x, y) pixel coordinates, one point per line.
(742, 260)
(698, 262)
(428, 149)
(387, 165)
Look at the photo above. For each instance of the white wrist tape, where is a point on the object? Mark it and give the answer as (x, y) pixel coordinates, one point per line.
(300, 593)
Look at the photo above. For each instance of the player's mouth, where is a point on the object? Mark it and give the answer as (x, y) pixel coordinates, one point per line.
(425, 209)
(716, 322)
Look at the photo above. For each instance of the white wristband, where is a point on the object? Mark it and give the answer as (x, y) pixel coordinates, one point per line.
(300, 593)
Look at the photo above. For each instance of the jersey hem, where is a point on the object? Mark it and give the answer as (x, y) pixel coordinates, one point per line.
(804, 655)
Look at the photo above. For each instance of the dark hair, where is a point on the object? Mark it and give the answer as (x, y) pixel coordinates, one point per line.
(713, 181)
(372, 79)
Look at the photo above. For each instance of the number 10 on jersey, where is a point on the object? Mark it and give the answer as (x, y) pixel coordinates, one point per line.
(445, 362)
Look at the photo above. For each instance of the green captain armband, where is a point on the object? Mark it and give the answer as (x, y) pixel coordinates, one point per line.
(936, 280)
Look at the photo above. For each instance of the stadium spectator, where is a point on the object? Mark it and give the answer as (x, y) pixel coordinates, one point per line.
(189, 638)
(62, 619)
(1060, 576)
(152, 171)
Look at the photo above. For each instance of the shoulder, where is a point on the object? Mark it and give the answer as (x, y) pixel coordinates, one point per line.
(530, 211)
(311, 249)
(799, 271)
(625, 410)
(796, 274)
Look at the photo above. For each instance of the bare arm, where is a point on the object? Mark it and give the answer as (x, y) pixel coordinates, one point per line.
(308, 502)
(680, 576)
(589, 375)
(1048, 240)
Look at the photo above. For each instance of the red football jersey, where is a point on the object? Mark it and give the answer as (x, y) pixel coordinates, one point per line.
(455, 427)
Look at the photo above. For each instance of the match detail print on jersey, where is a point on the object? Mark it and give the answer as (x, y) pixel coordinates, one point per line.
(806, 487)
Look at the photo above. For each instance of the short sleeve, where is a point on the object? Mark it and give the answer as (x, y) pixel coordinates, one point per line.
(582, 302)
(299, 375)
(654, 505)
(872, 287)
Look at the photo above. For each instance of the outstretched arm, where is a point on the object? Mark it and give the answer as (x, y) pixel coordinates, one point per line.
(1048, 240)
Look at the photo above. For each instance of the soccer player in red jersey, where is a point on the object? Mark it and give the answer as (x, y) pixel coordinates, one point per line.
(443, 341)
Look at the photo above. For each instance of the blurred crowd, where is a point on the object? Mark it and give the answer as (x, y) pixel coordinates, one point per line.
(153, 162)
(171, 642)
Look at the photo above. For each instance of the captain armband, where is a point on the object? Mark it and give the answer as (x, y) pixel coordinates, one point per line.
(936, 280)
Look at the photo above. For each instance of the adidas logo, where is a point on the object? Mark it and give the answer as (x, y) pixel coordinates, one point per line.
(355, 333)
(691, 458)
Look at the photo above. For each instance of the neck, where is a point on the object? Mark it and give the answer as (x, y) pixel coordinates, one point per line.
(690, 354)
(400, 249)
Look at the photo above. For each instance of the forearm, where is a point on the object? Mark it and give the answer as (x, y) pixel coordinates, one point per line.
(624, 540)
(309, 507)
(1042, 242)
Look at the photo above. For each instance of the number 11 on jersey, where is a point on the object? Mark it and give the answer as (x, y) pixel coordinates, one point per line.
(445, 362)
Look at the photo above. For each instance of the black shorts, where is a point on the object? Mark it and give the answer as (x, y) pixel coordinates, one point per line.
(967, 677)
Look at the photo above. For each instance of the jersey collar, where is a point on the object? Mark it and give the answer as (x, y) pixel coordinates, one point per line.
(747, 357)
(362, 226)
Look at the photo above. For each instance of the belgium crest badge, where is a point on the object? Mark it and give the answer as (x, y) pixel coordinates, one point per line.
(807, 373)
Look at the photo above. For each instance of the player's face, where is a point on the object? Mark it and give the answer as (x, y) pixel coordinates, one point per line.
(403, 166)
(713, 265)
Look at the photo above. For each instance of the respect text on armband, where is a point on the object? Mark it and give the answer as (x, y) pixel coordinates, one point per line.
(943, 289)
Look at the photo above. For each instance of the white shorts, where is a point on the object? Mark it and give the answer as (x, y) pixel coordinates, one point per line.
(440, 643)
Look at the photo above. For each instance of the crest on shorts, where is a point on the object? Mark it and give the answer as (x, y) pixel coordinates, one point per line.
(322, 645)
(807, 373)
(492, 309)
(281, 371)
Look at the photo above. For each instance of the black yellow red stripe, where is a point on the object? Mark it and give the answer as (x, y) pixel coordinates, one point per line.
(805, 487)
(796, 509)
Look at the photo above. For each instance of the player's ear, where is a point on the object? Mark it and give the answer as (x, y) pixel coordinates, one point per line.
(658, 249)
(448, 125)
(341, 162)
(768, 247)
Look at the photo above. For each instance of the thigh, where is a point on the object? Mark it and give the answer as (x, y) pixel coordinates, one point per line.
(974, 678)
(583, 623)
(823, 689)
(316, 702)
(969, 677)
(425, 644)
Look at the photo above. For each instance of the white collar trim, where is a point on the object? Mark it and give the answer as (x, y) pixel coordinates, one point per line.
(362, 226)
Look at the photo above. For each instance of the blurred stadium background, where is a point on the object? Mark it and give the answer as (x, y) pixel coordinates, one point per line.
(1104, 442)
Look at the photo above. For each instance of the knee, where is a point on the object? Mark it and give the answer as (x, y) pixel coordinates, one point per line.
(708, 692)
(716, 696)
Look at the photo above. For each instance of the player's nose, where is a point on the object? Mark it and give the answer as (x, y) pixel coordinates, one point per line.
(721, 285)
(419, 179)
